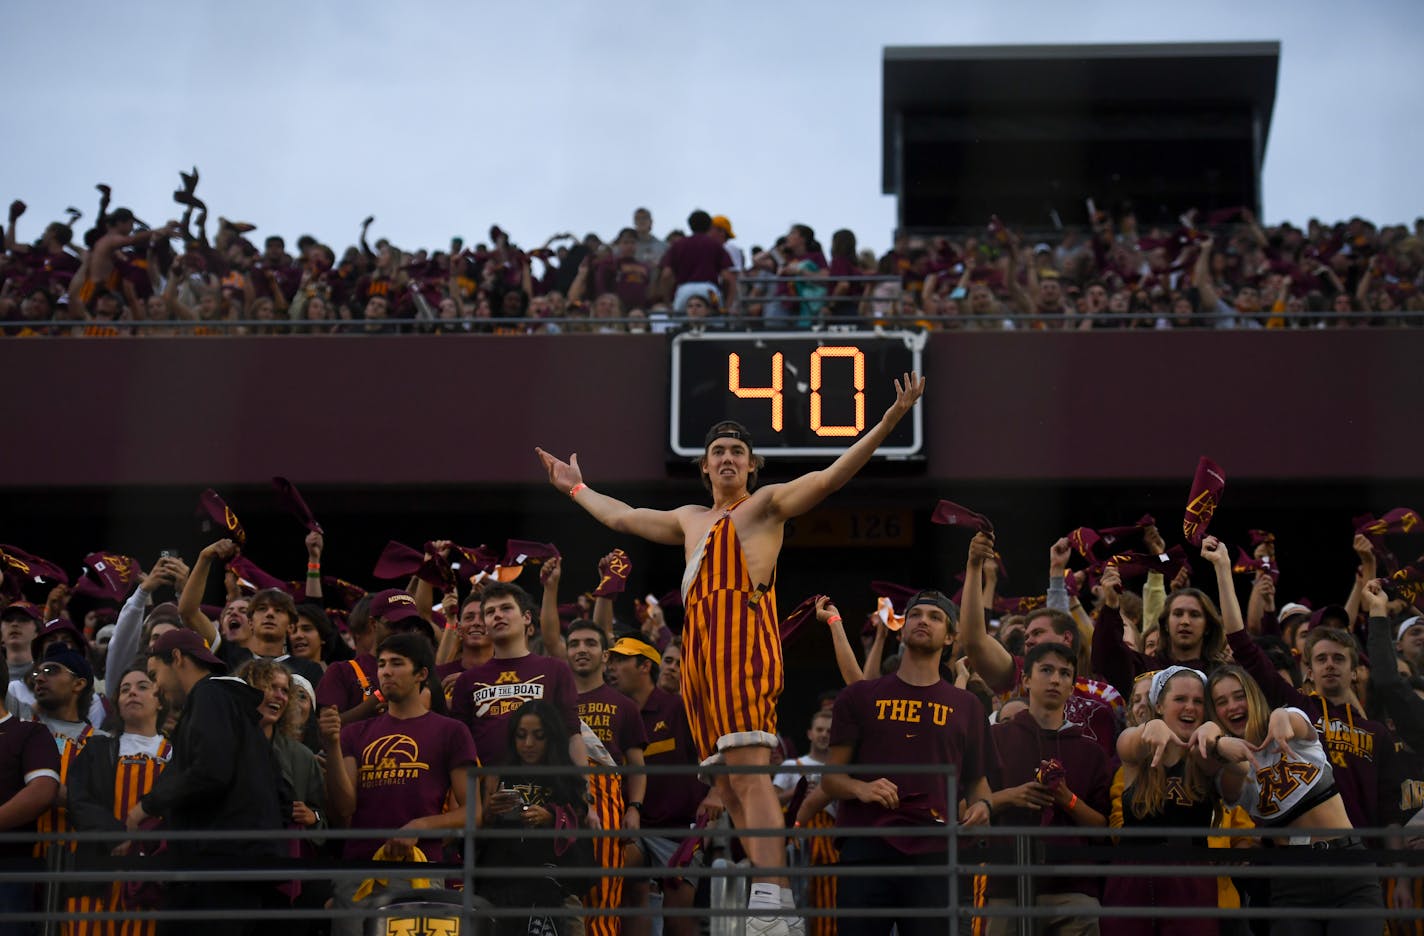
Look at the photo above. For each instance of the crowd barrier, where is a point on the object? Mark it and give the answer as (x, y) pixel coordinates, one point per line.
(1024, 854)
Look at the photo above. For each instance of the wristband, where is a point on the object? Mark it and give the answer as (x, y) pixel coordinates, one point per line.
(449, 625)
(833, 620)
(988, 806)
(636, 804)
(1072, 802)
(313, 573)
(573, 491)
(313, 566)
(378, 696)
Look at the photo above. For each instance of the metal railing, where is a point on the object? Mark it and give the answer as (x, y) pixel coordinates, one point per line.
(966, 852)
(583, 325)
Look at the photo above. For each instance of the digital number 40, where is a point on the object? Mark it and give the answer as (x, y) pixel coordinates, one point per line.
(774, 392)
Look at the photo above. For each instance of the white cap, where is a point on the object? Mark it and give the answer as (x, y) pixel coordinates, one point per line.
(1289, 608)
(1405, 624)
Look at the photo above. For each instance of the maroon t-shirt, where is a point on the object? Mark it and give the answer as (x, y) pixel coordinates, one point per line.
(443, 670)
(889, 721)
(614, 720)
(630, 279)
(670, 800)
(27, 751)
(341, 685)
(697, 258)
(486, 695)
(403, 770)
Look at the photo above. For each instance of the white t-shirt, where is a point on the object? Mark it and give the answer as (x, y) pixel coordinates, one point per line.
(1277, 788)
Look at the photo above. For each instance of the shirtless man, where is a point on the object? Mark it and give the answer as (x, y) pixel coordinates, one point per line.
(730, 600)
(120, 234)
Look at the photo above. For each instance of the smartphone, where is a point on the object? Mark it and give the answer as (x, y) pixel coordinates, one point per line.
(167, 553)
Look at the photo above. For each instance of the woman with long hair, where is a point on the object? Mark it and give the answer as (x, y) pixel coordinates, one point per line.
(1280, 773)
(281, 721)
(520, 800)
(1165, 787)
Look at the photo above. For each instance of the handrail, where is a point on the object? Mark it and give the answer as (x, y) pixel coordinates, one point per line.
(964, 854)
(586, 325)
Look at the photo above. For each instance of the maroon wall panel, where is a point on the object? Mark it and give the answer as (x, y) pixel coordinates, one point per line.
(442, 410)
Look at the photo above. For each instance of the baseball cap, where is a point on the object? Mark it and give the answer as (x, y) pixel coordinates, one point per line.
(393, 605)
(1406, 624)
(1328, 614)
(1290, 609)
(27, 608)
(57, 626)
(727, 429)
(72, 660)
(189, 644)
(635, 646)
(104, 634)
(723, 222)
(939, 599)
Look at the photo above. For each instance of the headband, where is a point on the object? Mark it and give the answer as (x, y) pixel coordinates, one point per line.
(1159, 682)
(1405, 625)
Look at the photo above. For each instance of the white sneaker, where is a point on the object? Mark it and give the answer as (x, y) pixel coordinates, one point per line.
(768, 926)
(795, 925)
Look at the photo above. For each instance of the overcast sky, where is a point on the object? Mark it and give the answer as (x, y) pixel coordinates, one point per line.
(442, 117)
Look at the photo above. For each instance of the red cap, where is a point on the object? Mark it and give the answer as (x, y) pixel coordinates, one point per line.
(215, 515)
(29, 608)
(189, 644)
(57, 626)
(393, 605)
(1207, 486)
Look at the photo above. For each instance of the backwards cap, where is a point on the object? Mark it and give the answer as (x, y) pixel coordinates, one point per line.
(727, 429)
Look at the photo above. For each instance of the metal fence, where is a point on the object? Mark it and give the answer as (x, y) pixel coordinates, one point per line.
(1024, 855)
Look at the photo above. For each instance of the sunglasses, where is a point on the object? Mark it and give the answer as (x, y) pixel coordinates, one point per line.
(52, 669)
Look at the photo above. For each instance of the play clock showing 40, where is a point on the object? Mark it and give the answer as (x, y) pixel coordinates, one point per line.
(800, 394)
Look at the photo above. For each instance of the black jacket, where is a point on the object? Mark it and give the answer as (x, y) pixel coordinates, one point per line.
(222, 774)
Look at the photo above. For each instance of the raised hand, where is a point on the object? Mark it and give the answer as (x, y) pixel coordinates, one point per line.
(1058, 556)
(1110, 585)
(907, 394)
(1376, 601)
(223, 549)
(1214, 551)
(562, 475)
(826, 609)
(981, 550)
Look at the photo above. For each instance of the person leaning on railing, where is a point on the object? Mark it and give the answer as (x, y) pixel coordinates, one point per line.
(912, 716)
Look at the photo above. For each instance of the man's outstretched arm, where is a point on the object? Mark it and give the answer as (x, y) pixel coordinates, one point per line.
(795, 498)
(659, 526)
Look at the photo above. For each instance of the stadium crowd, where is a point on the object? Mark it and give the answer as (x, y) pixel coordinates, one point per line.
(1134, 690)
(1221, 269)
